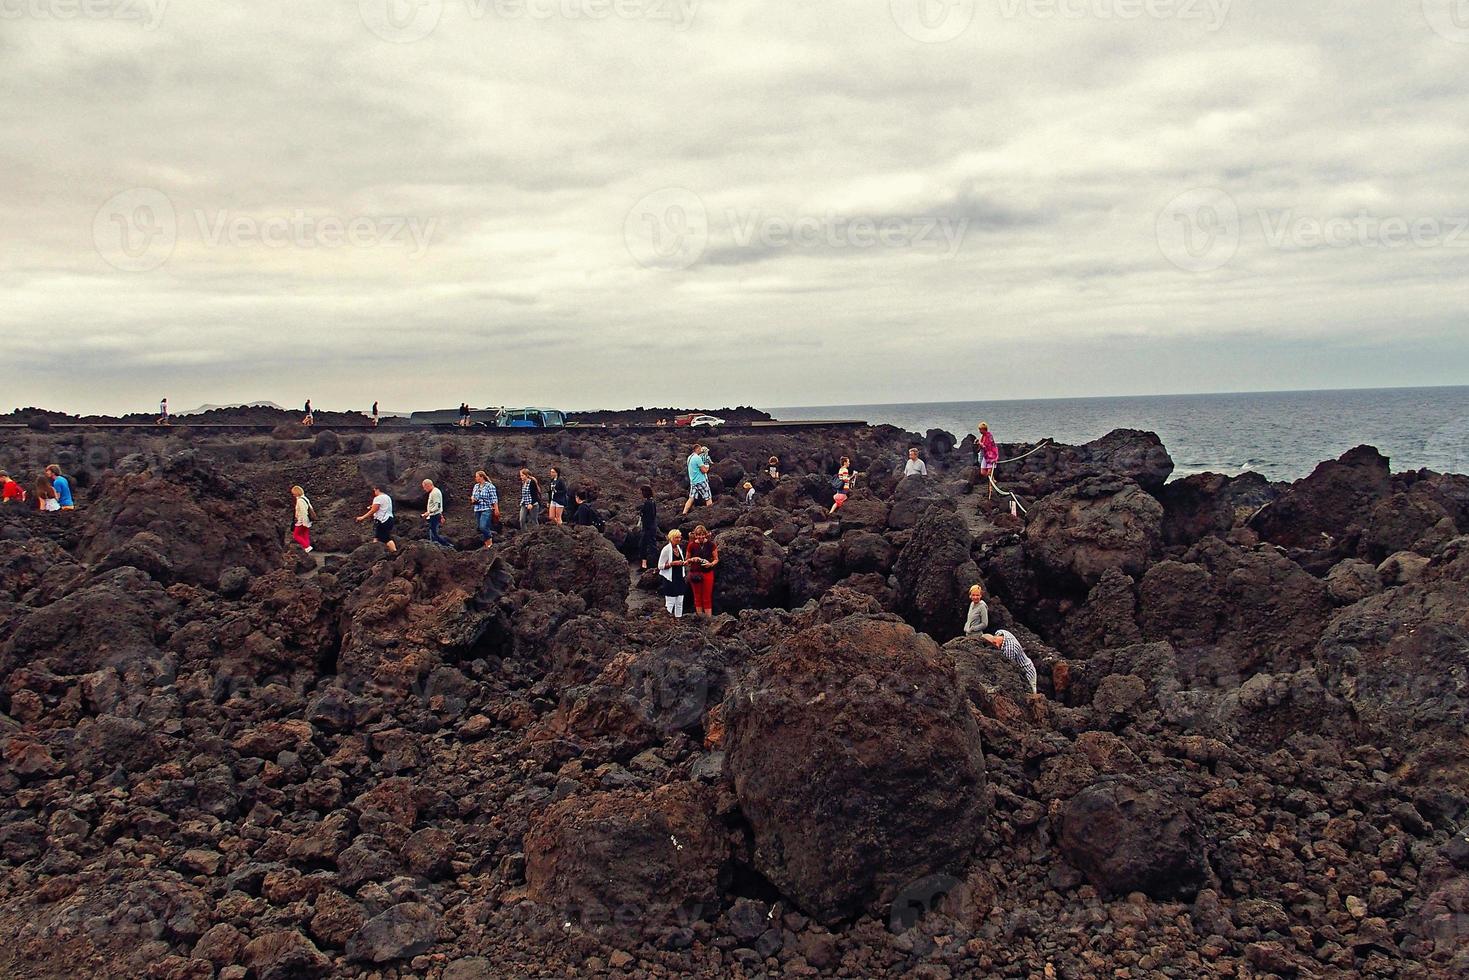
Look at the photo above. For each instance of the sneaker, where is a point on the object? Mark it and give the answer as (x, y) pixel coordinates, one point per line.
(308, 550)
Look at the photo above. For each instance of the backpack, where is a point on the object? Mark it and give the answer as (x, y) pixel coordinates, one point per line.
(837, 482)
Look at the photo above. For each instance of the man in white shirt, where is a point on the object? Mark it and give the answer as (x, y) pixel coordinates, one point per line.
(383, 523)
(434, 512)
(915, 466)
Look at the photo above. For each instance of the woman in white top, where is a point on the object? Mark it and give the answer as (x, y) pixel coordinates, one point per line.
(46, 498)
(671, 565)
(301, 533)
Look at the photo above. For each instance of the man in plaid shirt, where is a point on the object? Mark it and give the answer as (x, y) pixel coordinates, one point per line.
(1011, 650)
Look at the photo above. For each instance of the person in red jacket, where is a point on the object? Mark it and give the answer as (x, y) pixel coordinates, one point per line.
(10, 490)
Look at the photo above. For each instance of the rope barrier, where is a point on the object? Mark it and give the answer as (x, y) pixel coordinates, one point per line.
(1015, 503)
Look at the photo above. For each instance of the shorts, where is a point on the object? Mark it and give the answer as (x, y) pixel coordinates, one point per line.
(700, 491)
(383, 530)
(985, 469)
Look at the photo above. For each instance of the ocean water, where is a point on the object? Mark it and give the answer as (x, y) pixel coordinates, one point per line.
(1280, 434)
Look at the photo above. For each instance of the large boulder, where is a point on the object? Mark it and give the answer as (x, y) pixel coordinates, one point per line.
(1210, 503)
(121, 615)
(182, 521)
(1102, 523)
(751, 572)
(570, 559)
(1128, 835)
(934, 573)
(1321, 517)
(647, 862)
(856, 764)
(1123, 453)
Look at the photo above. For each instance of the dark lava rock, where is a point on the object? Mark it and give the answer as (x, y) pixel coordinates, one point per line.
(1126, 836)
(856, 764)
(1099, 524)
(400, 932)
(934, 573)
(577, 560)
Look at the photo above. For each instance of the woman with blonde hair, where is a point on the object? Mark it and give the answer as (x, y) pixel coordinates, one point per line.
(301, 531)
(671, 566)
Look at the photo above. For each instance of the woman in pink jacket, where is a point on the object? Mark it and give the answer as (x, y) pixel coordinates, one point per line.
(988, 453)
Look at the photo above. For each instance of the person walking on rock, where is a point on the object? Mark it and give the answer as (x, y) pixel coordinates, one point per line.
(915, 466)
(162, 412)
(383, 522)
(648, 525)
(557, 497)
(486, 501)
(671, 564)
(843, 486)
(530, 500)
(702, 559)
(62, 486)
(433, 512)
(698, 464)
(978, 619)
(1011, 650)
(464, 415)
(987, 454)
(301, 527)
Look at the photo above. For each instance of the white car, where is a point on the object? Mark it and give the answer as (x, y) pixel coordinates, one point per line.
(708, 421)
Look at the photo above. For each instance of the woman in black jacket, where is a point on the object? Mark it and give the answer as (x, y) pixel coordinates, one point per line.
(648, 546)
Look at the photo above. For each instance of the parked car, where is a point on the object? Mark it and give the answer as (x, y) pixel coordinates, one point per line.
(530, 418)
(707, 421)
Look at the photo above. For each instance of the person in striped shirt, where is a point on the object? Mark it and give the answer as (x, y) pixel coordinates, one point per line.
(1011, 650)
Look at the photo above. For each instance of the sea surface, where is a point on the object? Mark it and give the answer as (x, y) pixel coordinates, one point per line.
(1280, 434)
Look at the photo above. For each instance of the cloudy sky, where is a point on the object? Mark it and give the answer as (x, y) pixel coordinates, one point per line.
(619, 202)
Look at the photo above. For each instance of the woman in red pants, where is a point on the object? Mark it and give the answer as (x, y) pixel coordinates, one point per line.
(703, 557)
(301, 531)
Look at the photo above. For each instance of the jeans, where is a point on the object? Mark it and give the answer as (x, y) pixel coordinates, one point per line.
(486, 520)
(529, 516)
(433, 530)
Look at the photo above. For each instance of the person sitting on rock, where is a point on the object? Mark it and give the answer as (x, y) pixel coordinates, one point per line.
(773, 468)
(978, 619)
(1011, 650)
(915, 466)
(62, 485)
(585, 514)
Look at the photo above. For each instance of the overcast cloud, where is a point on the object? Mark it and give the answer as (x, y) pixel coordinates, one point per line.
(641, 202)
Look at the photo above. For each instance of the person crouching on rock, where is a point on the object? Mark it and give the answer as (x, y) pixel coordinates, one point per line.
(703, 557)
(671, 566)
(10, 490)
(301, 529)
(749, 489)
(978, 619)
(1010, 648)
(381, 513)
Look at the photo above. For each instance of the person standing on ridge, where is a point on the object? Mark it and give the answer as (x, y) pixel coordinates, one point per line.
(978, 619)
(374, 415)
(698, 479)
(557, 497)
(62, 486)
(301, 527)
(987, 454)
(433, 512)
(703, 557)
(915, 466)
(464, 415)
(671, 566)
(530, 500)
(310, 418)
(383, 522)
(162, 412)
(486, 501)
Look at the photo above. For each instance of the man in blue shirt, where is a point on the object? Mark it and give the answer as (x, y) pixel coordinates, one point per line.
(63, 487)
(698, 478)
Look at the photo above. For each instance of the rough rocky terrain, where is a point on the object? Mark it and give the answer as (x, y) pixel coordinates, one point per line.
(222, 758)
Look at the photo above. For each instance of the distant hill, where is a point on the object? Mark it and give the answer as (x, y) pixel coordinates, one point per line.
(215, 408)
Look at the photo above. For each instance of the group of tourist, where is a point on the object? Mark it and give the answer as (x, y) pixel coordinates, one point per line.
(51, 491)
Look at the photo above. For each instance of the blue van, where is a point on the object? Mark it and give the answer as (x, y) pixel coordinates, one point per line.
(530, 418)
